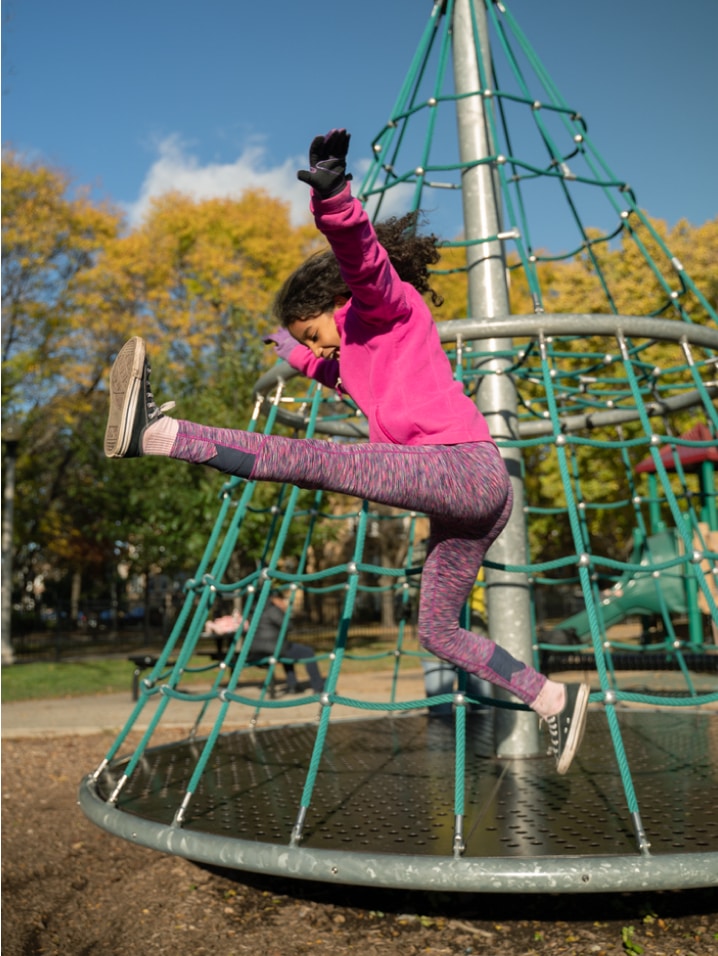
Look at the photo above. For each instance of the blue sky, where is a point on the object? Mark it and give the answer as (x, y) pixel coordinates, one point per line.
(134, 98)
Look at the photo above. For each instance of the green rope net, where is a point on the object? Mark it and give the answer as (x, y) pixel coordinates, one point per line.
(607, 386)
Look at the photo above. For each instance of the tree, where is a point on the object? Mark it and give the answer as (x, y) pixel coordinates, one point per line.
(197, 280)
(49, 240)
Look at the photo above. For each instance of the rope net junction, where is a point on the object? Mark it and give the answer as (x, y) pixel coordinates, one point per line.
(599, 415)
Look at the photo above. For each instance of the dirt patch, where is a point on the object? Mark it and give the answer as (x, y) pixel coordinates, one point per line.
(69, 888)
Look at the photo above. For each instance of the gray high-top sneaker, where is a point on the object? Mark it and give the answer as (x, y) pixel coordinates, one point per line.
(132, 405)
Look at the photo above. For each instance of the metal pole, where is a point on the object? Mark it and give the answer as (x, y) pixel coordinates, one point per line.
(507, 594)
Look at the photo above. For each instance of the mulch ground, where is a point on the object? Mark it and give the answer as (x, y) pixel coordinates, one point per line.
(70, 889)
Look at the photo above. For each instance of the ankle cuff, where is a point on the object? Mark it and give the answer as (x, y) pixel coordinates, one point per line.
(550, 699)
(159, 437)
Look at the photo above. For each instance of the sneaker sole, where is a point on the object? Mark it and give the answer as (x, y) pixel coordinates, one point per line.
(125, 385)
(575, 734)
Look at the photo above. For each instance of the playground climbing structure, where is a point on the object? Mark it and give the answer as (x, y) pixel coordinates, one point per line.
(393, 797)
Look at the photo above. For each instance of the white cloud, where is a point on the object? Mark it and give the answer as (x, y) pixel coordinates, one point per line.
(176, 169)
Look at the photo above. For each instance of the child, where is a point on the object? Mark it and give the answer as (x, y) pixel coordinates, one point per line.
(354, 319)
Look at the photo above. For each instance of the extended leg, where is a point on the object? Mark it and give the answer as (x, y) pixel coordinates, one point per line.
(466, 482)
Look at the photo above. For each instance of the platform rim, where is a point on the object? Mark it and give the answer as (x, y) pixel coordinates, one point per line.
(569, 874)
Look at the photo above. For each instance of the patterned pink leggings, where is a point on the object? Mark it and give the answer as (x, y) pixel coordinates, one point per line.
(463, 489)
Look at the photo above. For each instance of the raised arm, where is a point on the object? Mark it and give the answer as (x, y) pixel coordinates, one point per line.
(377, 292)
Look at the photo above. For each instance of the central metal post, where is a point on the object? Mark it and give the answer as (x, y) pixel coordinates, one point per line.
(508, 600)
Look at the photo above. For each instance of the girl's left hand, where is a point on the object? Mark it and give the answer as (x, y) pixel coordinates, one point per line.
(283, 341)
(327, 163)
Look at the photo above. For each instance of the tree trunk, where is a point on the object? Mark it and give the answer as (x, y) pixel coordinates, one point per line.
(75, 592)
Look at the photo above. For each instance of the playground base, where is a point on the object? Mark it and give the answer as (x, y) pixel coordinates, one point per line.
(639, 661)
(382, 814)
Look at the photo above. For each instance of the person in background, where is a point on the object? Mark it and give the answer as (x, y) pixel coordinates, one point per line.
(264, 644)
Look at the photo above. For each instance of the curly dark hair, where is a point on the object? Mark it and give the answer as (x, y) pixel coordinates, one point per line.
(313, 287)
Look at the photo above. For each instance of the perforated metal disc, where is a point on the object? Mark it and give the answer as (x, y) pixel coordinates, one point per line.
(382, 809)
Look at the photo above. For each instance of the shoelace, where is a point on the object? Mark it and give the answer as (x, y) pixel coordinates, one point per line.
(553, 732)
(153, 410)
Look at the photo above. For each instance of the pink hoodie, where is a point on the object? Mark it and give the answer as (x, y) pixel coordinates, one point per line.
(391, 361)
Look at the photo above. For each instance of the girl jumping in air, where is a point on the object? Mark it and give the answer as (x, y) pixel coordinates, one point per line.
(354, 319)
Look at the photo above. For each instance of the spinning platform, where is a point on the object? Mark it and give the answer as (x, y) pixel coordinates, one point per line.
(382, 810)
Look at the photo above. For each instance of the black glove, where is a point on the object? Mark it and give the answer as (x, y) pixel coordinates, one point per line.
(327, 163)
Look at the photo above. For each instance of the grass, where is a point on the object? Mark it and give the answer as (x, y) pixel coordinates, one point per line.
(42, 680)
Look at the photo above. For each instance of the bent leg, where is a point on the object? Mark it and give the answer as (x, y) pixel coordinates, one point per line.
(463, 488)
(449, 574)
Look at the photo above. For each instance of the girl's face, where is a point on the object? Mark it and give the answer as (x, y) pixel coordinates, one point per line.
(319, 333)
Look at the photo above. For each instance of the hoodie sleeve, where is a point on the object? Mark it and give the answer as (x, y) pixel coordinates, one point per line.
(325, 371)
(377, 291)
